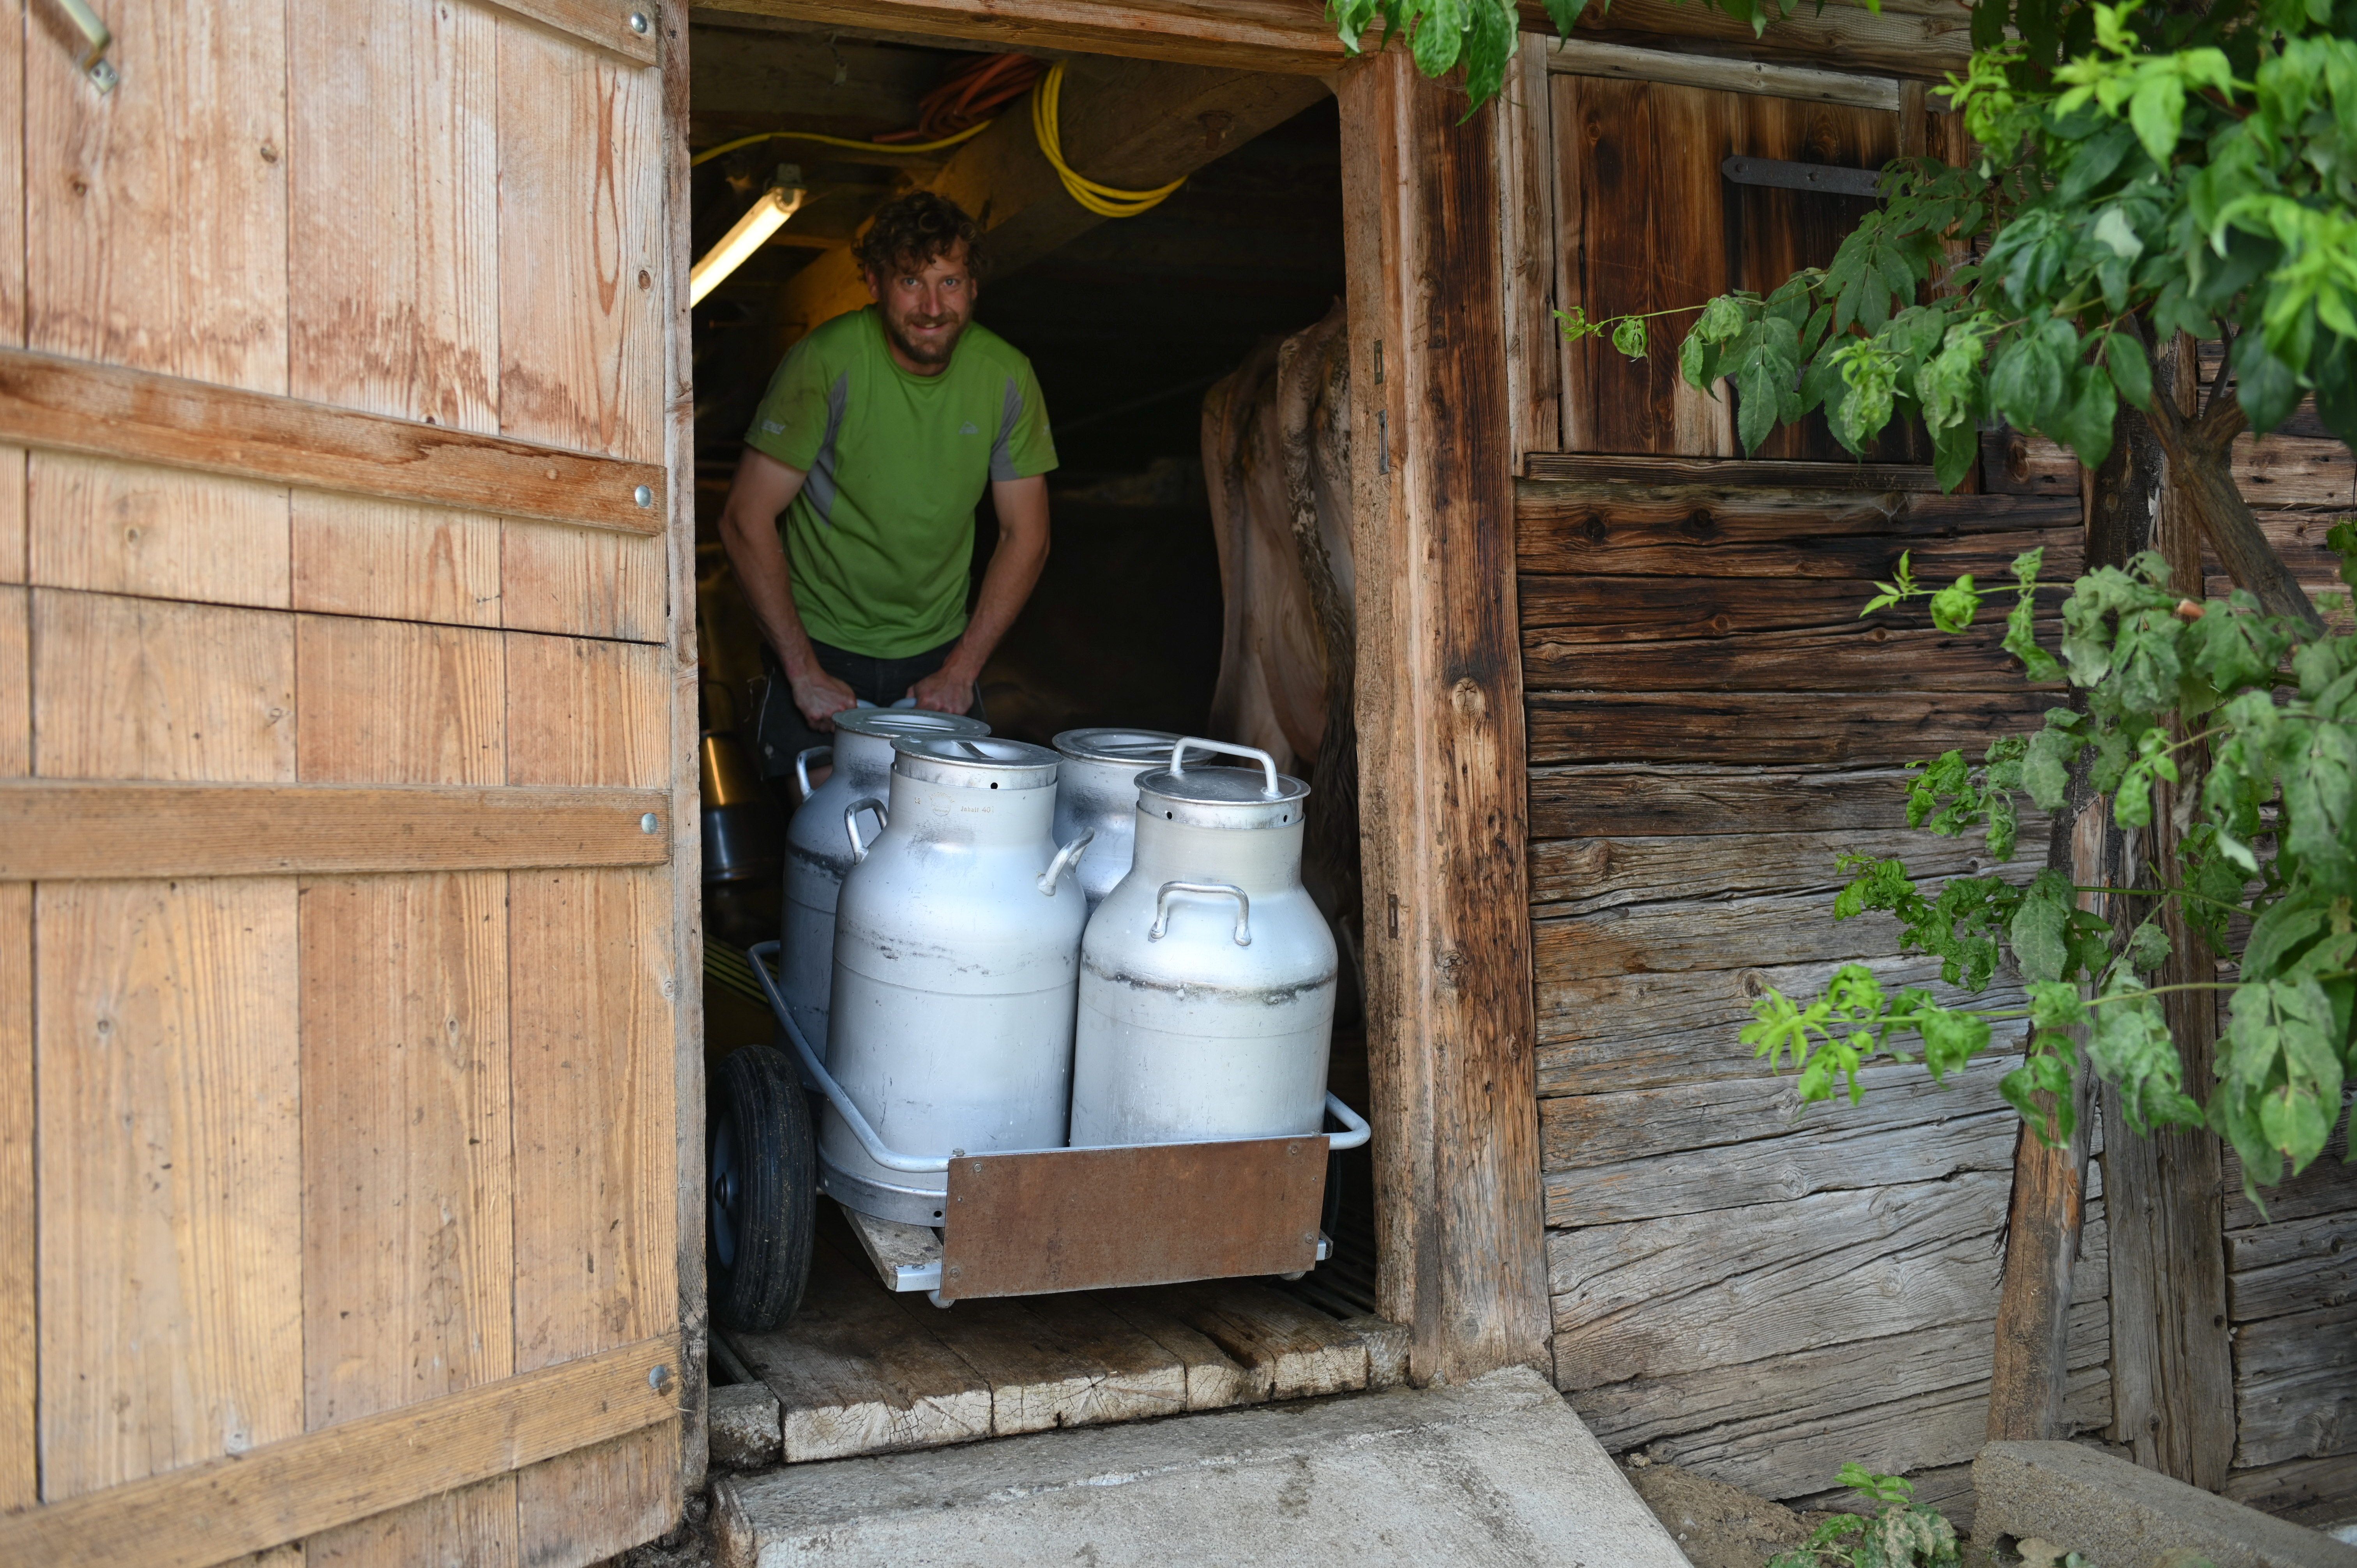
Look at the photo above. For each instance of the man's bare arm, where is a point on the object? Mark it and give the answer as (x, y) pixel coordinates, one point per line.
(1015, 567)
(748, 529)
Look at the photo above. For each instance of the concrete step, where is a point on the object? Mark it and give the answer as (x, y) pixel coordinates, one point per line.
(1498, 1471)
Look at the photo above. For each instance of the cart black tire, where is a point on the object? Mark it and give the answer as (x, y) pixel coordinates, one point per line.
(762, 1192)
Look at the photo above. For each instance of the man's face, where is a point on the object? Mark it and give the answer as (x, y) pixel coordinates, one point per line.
(924, 310)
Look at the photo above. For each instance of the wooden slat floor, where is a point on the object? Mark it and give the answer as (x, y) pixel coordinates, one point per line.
(861, 1370)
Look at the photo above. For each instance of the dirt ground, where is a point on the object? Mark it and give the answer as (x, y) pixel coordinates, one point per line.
(1719, 1526)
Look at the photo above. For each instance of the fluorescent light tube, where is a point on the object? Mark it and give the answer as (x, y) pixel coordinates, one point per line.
(752, 231)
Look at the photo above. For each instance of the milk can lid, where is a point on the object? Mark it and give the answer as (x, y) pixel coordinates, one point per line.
(891, 723)
(1116, 744)
(1221, 798)
(974, 762)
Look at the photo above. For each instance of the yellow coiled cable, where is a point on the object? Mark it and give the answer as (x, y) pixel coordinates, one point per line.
(1104, 201)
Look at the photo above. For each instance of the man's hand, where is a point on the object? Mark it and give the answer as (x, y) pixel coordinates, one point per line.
(821, 696)
(948, 689)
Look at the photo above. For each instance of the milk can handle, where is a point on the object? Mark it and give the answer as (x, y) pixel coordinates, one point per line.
(1066, 858)
(1267, 763)
(851, 824)
(1162, 907)
(801, 765)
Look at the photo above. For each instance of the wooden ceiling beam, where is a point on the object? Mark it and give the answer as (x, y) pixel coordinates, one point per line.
(1262, 35)
(767, 74)
(1924, 39)
(1127, 123)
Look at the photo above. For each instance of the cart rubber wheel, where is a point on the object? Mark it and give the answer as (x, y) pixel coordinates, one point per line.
(763, 1169)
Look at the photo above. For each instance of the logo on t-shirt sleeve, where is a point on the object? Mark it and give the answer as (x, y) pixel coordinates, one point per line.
(969, 428)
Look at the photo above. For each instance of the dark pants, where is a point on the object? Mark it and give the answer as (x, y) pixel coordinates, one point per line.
(784, 735)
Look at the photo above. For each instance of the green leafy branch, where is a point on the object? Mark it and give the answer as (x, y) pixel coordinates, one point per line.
(1899, 1533)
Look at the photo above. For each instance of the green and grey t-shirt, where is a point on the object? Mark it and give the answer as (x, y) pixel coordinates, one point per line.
(880, 540)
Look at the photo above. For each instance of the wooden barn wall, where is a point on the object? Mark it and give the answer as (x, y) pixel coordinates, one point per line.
(1759, 1292)
(295, 1145)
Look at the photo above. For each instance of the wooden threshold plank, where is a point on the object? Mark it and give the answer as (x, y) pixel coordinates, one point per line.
(1304, 1352)
(854, 1375)
(72, 405)
(1057, 1360)
(1215, 1381)
(65, 829)
(206, 1513)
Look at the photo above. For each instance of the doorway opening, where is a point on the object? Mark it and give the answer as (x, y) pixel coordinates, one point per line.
(1190, 358)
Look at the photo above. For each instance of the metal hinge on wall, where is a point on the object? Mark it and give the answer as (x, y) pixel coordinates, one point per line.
(1830, 179)
(94, 64)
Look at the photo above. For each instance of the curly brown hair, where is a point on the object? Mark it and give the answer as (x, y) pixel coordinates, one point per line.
(912, 230)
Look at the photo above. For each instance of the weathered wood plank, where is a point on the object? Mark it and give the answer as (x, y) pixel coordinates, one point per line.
(408, 1179)
(1526, 238)
(393, 301)
(1943, 1428)
(586, 712)
(126, 528)
(1304, 1352)
(2297, 1265)
(52, 829)
(1909, 41)
(147, 689)
(581, 241)
(152, 243)
(142, 417)
(582, 584)
(1059, 1362)
(1741, 1284)
(1442, 733)
(1584, 57)
(1586, 873)
(1857, 658)
(2295, 1386)
(1816, 1386)
(360, 558)
(171, 1249)
(1708, 530)
(1701, 1180)
(1770, 727)
(2015, 463)
(623, 30)
(1638, 1031)
(1747, 1116)
(1215, 1379)
(15, 682)
(590, 1031)
(2314, 1492)
(394, 703)
(1713, 934)
(205, 1513)
(1623, 610)
(2329, 1186)
(20, 1455)
(1790, 474)
(1699, 798)
(852, 1375)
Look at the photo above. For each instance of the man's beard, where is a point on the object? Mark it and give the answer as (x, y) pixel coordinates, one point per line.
(926, 354)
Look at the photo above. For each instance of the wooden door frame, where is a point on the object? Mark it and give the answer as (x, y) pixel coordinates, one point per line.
(1443, 762)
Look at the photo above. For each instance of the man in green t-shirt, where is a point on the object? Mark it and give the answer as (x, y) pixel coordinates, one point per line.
(876, 438)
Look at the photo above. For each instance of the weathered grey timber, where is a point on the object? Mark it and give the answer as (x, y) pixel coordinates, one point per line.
(1494, 1472)
(2123, 1516)
(744, 1425)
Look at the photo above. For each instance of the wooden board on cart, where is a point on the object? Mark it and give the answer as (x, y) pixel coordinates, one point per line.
(861, 1370)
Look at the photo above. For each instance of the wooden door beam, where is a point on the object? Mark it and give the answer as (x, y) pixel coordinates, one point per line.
(1130, 123)
(1443, 761)
(221, 1508)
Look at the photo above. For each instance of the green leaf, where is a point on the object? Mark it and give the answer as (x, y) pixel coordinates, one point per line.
(1953, 606)
(2131, 370)
(2037, 931)
(2158, 113)
(2147, 948)
(1629, 334)
(2085, 423)
(2025, 381)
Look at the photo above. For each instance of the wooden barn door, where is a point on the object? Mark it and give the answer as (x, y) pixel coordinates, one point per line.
(346, 829)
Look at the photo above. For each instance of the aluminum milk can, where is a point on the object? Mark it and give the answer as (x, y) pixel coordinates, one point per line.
(1096, 786)
(1207, 976)
(819, 846)
(956, 948)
